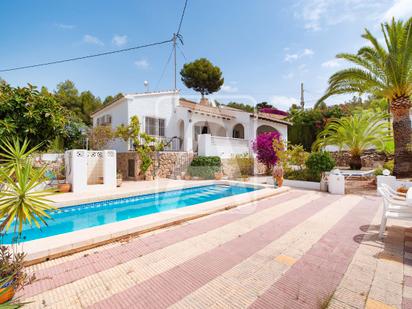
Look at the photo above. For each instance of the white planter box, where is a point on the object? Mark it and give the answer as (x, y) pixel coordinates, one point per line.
(311, 185)
(389, 180)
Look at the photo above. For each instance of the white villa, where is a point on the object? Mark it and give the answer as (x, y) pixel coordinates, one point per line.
(188, 126)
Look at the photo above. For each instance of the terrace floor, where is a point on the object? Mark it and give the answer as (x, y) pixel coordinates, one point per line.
(299, 249)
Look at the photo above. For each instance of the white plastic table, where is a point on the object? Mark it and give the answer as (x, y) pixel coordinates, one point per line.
(409, 196)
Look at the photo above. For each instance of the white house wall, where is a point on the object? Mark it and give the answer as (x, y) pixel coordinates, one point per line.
(165, 106)
(119, 113)
(157, 106)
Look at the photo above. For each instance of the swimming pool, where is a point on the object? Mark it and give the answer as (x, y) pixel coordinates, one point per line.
(74, 218)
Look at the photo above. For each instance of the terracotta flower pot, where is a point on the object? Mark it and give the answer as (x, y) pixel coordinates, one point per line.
(279, 181)
(218, 176)
(7, 294)
(64, 187)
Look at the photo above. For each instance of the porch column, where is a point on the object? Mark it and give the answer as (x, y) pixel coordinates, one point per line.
(188, 136)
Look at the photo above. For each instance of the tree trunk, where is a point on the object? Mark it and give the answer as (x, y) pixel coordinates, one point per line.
(355, 162)
(402, 132)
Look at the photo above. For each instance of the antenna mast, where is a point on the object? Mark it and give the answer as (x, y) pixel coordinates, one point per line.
(302, 97)
(174, 58)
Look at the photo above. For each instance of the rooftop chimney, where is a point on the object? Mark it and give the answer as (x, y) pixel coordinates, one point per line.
(204, 101)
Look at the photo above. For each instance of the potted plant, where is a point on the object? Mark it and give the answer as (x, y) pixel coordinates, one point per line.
(277, 174)
(219, 175)
(12, 268)
(119, 179)
(62, 186)
(20, 204)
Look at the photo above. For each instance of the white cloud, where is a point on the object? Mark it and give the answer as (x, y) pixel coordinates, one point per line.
(292, 57)
(283, 102)
(319, 14)
(119, 40)
(142, 64)
(334, 63)
(90, 39)
(65, 26)
(307, 52)
(400, 9)
(229, 89)
(290, 75)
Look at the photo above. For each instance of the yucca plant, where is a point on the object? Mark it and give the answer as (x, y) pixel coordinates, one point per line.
(13, 153)
(384, 70)
(356, 134)
(21, 202)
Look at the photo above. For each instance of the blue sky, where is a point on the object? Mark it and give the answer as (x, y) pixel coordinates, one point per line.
(265, 48)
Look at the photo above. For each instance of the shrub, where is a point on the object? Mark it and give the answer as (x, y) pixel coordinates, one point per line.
(100, 137)
(205, 167)
(12, 265)
(263, 147)
(389, 165)
(319, 162)
(378, 171)
(302, 174)
(244, 163)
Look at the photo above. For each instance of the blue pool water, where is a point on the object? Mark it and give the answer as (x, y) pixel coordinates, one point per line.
(74, 218)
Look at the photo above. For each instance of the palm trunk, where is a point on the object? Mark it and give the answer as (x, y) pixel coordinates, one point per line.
(402, 132)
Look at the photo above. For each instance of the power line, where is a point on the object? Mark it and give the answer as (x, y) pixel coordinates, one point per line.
(86, 57)
(181, 51)
(164, 68)
(181, 18)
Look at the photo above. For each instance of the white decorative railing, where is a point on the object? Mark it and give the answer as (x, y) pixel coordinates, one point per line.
(224, 147)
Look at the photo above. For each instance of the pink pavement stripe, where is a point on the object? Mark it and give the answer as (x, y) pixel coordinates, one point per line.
(313, 278)
(171, 286)
(407, 303)
(84, 266)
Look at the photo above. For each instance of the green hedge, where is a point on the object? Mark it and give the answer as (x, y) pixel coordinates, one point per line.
(205, 167)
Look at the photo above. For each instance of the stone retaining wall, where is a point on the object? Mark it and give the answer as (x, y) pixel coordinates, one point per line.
(370, 159)
(165, 164)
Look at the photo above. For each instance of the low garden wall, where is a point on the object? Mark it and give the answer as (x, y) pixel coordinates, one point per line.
(370, 159)
(165, 164)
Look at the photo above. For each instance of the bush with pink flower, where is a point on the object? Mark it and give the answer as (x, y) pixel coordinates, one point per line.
(263, 147)
(273, 110)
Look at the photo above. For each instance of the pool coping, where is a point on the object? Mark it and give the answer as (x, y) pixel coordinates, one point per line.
(43, 249)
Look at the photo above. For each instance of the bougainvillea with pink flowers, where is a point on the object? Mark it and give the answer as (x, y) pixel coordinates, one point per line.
(273, 110)
(263, 147)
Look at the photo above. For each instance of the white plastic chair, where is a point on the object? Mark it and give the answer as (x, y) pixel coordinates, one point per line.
(393, 208)
(394, 194)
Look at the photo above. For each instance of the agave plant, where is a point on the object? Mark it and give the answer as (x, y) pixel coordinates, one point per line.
(21, 201)
(384, 70)
(356, 134)
(13, 153)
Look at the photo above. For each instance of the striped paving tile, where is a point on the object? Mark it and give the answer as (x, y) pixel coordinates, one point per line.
(111, 280)
(353, 290)
(242, 284)
(311, 281)
(57, 275)
(170, 286)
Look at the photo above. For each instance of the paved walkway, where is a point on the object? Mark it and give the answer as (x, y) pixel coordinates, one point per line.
(300, 249)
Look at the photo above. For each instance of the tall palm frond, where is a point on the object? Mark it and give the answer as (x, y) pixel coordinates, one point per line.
(385, 71)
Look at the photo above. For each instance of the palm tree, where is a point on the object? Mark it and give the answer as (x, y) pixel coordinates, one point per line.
(356, 134)
(384, 70)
